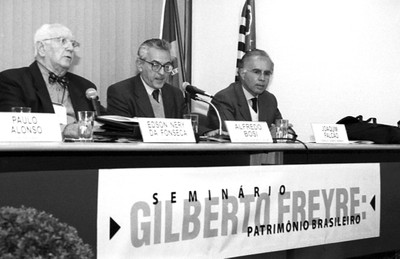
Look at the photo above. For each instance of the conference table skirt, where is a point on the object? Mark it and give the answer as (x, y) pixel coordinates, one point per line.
(61, 178)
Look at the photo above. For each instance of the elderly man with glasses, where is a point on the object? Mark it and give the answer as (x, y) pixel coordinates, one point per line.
(147, 94)
(46, 86)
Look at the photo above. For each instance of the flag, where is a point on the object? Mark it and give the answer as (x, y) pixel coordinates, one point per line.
(170, 31)
(247, 32)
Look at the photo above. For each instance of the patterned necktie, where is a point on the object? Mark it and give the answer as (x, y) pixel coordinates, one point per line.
(254, 104)
(155, 94)
(63, 81)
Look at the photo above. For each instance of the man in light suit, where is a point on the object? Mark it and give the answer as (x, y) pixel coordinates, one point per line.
(46, 86)
(147, 94)
(248, 99)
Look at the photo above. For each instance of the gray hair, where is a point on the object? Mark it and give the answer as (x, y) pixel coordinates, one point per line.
(152, 43)
(253, 53)
(47, 31)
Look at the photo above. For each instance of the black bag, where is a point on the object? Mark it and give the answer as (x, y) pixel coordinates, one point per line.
(358, 129)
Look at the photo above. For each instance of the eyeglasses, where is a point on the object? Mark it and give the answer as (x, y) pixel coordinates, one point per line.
(64, 42)
(155, 66)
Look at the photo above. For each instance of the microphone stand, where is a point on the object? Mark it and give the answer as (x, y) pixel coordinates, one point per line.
(195, 97)
(95, 106)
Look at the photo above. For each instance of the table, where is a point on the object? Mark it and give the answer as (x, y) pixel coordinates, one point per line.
(61, 178)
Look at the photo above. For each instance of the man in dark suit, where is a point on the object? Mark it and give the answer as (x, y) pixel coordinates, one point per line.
(248, 99)
(46, 86)
(147, 94)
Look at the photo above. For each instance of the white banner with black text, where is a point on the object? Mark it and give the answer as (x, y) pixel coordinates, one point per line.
(222, 212)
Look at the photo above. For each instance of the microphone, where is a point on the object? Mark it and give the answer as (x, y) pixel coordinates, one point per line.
(91, 94)
(196, 98)
(193, 90)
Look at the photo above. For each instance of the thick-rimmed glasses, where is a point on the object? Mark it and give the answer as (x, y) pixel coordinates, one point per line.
(155, 66)
(64, 42)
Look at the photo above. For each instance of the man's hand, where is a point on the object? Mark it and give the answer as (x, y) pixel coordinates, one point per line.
(214, 133)
(70, 131)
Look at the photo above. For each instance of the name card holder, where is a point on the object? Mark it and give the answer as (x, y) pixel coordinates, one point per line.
(166, 130)
(249, 132)
(29, 127)
(330, 133)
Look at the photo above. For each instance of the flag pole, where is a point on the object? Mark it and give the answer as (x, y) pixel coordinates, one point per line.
(179, 40)
(162, 18)
(181, 53)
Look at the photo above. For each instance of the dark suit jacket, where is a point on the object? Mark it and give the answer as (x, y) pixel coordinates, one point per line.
(26, 87)
(129, 98)
(232, 105)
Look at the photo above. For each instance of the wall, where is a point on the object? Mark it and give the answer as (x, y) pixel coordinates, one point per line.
(109, 32)
(333, 58)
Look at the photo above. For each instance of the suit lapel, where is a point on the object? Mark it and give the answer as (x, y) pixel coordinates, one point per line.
(242, 102)
(142, 99)
(74, 93)
(168, 101)
(263, 109)
(77, 95)
(41, 88)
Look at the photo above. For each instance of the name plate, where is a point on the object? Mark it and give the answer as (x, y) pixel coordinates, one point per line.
(29, 127)
(330, 133)
(248, 131)
(166, 130)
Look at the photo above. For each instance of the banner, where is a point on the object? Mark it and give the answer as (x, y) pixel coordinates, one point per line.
(234, 211)
(247, 31)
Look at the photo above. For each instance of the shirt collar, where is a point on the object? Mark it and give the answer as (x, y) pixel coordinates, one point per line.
(149, 89)
(45, 72)
(247, 94)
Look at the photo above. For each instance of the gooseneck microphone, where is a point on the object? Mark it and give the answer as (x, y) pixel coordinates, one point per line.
(91, 94)
(193, 90)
